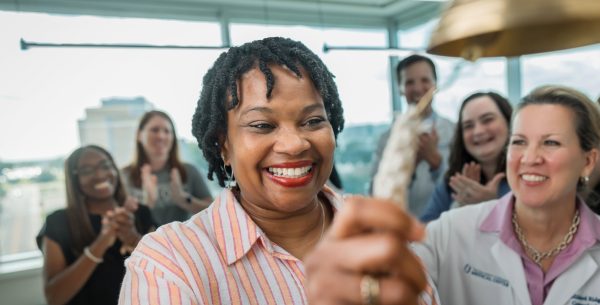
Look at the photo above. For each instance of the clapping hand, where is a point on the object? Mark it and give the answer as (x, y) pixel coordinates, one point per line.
(108, 232)
(177, 192)
(467, 188)
(123, 220)
(427, 149)
(149, 185)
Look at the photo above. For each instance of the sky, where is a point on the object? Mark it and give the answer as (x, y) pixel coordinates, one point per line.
(44, 91)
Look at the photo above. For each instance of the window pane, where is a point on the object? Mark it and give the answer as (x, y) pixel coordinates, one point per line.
(417, 37)
(577, 68)
(44, 92)
(457, 78)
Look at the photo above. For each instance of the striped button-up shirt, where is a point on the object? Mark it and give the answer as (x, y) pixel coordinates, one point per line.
(219, 256)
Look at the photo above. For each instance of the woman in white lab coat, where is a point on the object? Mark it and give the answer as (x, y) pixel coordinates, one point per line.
(539, 244)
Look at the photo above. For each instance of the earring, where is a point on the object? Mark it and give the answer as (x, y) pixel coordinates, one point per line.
(230, 182)
(584, 180)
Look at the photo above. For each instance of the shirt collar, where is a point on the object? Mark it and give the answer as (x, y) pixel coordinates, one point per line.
(236, 233)
(500, 214)
(500, 220)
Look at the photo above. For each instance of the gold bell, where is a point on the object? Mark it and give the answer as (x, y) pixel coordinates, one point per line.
(485, 28)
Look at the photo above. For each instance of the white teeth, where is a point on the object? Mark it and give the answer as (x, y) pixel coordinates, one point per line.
(102, 185)
(290, 172)
(533, 178)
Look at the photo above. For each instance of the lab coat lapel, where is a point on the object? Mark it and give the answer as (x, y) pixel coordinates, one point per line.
(570, 281)
(510, 262)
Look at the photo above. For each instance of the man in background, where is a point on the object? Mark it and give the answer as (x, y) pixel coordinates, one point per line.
(416, 74)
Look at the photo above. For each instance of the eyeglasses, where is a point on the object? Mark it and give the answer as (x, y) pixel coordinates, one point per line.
(86, 171)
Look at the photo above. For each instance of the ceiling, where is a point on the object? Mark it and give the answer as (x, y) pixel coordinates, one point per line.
(335, 13)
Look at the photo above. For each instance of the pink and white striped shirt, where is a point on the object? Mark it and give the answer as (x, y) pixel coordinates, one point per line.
(219, 256)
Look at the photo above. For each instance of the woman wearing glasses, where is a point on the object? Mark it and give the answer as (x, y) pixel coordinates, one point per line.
(85, 244)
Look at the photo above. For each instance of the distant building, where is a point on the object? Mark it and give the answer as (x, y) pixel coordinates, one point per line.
(113, 126)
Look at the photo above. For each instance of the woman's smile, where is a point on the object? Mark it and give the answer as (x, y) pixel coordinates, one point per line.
(291, 174)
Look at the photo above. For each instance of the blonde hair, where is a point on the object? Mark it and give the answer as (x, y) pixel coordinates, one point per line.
(587, 114)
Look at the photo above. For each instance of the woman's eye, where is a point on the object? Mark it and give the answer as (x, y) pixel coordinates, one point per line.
(551, 143)
(517, 142)
(106, 166)
(314, 122)
(487, 120)
(262, 126)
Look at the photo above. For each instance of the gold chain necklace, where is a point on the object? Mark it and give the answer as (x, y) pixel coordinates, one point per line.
(538, 256)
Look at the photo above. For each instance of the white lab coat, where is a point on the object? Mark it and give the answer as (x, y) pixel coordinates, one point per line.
(471, 267)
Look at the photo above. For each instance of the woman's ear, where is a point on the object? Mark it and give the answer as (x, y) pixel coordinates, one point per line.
(225, 152)
(591, 158)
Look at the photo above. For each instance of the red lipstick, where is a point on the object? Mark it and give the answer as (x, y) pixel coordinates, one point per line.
(289, 181)
(292, 164)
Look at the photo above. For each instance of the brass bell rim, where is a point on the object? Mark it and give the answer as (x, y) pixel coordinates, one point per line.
(492, 21)
(453, 24)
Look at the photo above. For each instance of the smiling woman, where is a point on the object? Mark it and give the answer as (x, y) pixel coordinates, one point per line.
(157, 177)
(279, 149)
(85, 244)
(542, 230)
(477, 160)
(268, 117)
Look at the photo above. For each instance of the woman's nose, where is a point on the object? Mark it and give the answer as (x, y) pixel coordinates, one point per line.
(531, 155)
(478, 129)
(291, 142)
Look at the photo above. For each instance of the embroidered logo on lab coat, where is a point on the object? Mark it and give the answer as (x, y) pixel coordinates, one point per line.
(584, 300)
(484, 275)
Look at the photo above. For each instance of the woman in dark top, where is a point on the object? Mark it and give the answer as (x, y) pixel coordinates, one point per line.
(85, 245)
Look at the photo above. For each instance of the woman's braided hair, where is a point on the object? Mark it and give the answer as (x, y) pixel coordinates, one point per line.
(220, 90)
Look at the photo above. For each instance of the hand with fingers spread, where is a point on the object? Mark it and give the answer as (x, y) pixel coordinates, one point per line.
(472, 170)
(367, 240)
(467, 190)
(149, 185)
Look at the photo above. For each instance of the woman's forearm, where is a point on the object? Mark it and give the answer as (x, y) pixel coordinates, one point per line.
(63, 286)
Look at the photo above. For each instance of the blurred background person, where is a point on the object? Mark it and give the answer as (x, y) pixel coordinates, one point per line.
(157, 177)
(416, 74)
(477, 163)
(85, 244)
